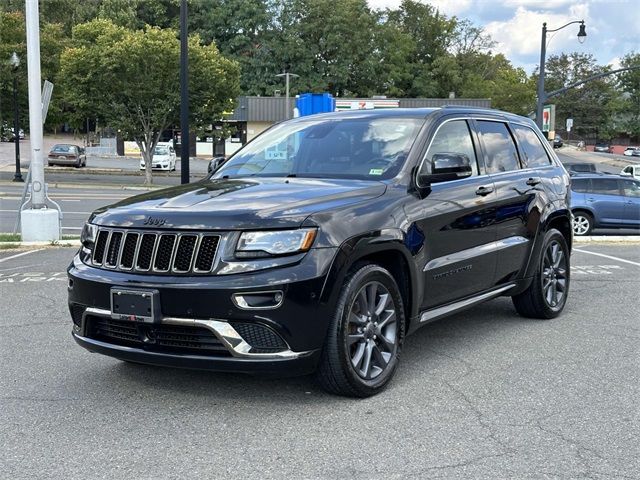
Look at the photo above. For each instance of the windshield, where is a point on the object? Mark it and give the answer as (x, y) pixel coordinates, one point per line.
(161, 150)
(371, 148)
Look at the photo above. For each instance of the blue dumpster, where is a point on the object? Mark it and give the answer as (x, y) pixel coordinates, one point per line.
(310, 103)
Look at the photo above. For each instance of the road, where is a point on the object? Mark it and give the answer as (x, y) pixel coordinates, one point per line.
(481, 395)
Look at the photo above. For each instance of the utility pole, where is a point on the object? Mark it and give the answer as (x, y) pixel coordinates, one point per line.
(287, 75)
(184, 95)
(39, 223)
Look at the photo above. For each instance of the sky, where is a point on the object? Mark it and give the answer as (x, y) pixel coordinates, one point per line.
(613, 26)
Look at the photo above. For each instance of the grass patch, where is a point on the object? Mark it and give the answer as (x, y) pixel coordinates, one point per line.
(9, 237)
(8, 246)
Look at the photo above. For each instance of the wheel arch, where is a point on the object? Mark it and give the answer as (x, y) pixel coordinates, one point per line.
(392, 255)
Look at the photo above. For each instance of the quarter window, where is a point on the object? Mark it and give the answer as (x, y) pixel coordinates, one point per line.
(631, 189)
(533, 153)
(500, 151)
(605, 186)
(451, 137)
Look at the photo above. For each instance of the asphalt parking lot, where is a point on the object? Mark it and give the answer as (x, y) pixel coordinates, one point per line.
(484, 394)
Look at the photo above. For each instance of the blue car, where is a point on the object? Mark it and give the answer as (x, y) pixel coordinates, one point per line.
(604, 201)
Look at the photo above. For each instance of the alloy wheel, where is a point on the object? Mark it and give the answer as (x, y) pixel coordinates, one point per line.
(554, 275)
(581, 225)
(372, 338)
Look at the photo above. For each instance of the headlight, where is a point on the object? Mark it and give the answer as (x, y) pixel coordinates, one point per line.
(88, 235)
(265, 244)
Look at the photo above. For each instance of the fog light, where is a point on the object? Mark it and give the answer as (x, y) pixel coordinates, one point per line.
(258, 300)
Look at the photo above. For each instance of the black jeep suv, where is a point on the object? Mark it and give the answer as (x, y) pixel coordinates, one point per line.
(324, 242)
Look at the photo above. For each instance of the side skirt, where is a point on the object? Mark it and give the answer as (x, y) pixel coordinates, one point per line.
(439, 312)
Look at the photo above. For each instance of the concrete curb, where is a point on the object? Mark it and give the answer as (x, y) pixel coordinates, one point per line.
(607, 239)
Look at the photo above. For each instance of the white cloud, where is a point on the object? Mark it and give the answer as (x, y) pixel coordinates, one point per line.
(545, 4)
(615, 63)
(448, 7)
(521, 34)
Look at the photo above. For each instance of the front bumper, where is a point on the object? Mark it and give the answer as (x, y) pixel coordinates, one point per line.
(300, 320)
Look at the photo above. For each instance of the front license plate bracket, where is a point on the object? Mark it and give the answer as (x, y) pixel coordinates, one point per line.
(135, 305)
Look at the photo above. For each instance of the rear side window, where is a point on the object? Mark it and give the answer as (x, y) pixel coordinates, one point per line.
(500, 150)
(533, 153)
(631, 188)
(605, 186)
(580, 185)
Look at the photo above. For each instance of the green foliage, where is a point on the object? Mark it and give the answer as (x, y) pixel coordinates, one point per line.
(628, 107)
(13, 39)
(591, 105)
(129, 79)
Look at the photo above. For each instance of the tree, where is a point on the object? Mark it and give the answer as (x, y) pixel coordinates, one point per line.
(629, 106)
(13, 39)
(129, 79)
(591, 105)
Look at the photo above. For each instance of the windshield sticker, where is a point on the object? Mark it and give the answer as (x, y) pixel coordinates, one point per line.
(376, 171)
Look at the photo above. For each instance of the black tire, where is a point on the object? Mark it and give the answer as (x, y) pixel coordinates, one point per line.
(337, 373)
(547, 295)
(582, 223)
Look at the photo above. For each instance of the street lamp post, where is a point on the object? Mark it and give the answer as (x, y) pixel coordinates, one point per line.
(15, 63)
(287, 75)
(542, 97)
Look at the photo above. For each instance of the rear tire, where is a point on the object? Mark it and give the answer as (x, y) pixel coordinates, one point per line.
(582, 223)
(547, 295)
(365, 336)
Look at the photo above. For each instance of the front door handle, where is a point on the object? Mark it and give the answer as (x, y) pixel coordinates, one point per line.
(591, 199)
(534, 181)
(484, 190)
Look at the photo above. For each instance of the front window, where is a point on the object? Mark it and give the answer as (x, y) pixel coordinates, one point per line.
(161, 150)
(371, 148)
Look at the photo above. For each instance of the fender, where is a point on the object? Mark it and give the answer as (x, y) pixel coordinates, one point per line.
(553, 214)
(371, 243)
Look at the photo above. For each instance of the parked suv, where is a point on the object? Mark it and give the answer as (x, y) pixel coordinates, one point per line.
(604, 201)
(324, 242)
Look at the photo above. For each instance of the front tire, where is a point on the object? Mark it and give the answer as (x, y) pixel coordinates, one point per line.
(366, 333)
(547, 295)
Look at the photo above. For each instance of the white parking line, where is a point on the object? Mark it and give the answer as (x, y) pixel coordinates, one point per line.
(20, 255)
(607, 256)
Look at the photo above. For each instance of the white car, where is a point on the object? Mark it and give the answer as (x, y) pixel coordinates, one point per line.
(164, 158)
(631, 171)
(632, 151)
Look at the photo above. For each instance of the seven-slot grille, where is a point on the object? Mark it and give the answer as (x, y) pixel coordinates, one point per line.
(155, 252)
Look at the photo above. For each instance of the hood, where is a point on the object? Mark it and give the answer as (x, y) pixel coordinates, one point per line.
(235, 204)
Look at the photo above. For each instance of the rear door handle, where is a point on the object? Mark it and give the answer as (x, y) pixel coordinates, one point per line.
(484, 190)
(591, 199)
(534, 181)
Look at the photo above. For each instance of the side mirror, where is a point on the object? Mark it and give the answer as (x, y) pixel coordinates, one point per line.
(215, 164)
(447, 166)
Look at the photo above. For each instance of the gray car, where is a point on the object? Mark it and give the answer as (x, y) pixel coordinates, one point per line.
(67, 154)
